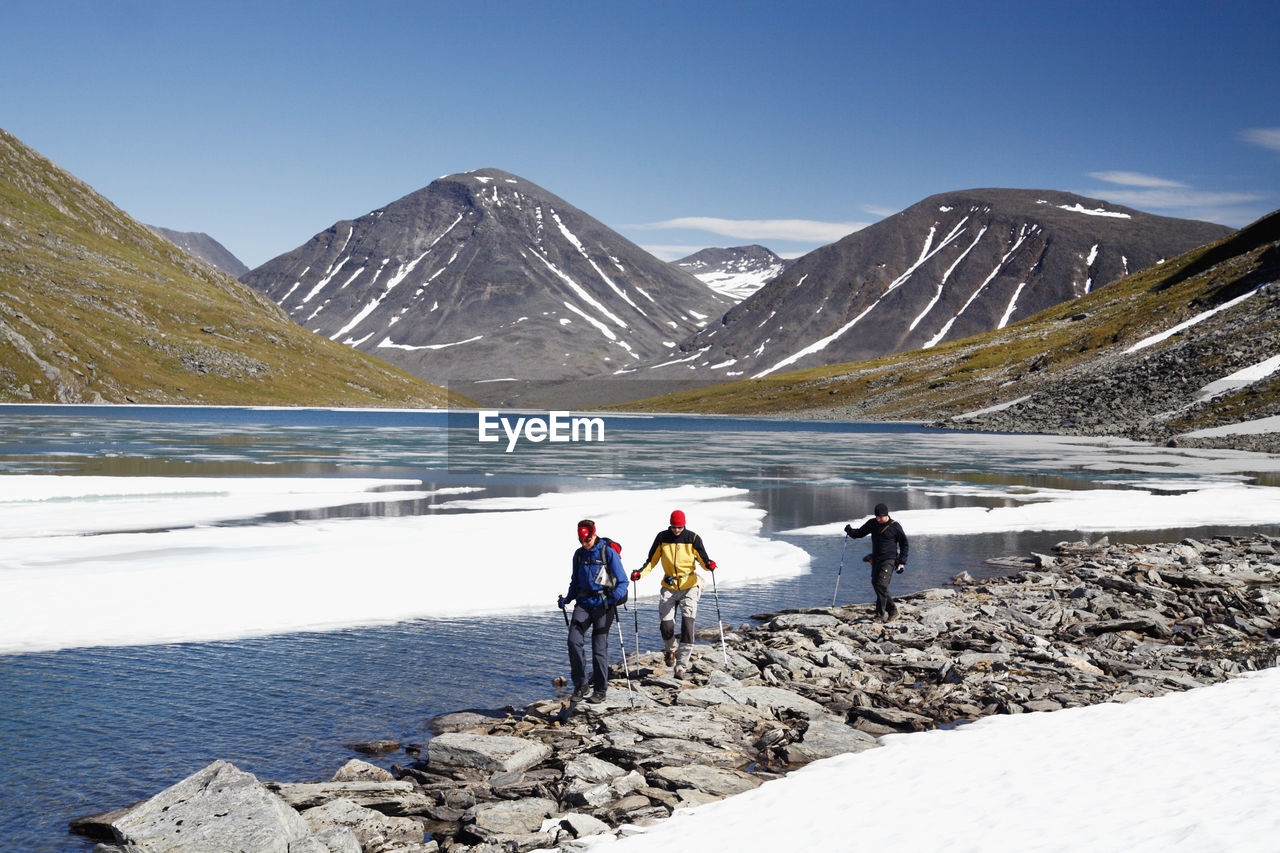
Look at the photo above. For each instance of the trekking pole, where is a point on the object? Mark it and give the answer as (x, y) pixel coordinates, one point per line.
(840, 570)
(565, 615)
(724, 650)
(635, 613)
(625, 667)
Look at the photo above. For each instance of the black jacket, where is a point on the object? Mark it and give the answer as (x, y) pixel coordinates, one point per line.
(888, 542)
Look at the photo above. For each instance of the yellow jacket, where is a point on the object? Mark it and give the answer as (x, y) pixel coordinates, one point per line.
(680, 556)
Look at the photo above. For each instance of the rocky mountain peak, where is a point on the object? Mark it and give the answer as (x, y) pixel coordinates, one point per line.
(486, 276)
(948, 267)
(735, 272)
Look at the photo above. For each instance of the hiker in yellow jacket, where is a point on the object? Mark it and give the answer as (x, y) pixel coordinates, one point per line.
(680, 551)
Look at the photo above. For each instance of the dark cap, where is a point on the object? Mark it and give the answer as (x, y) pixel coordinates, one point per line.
(881, 509)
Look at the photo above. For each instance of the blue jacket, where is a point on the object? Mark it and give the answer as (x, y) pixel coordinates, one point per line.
(587, 564)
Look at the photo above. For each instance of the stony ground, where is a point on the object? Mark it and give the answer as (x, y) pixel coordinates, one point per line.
(1091, 623)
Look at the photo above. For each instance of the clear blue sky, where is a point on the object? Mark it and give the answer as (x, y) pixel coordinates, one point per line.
(264, 123)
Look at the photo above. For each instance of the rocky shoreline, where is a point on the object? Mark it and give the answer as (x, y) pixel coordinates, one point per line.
(1090, 623)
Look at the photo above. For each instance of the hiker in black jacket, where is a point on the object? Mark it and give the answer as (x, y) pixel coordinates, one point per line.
(888, 552)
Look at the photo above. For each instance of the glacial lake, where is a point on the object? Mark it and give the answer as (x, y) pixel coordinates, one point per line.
(89, 726)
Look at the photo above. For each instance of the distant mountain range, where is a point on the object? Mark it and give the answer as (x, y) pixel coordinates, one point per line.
(486, 276)
(94, 307)
(1173, 353)
(950, 266)
(205, 248)
(735, 273)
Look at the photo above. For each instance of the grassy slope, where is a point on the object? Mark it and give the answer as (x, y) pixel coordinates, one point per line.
(1006, 364)
(93, 306)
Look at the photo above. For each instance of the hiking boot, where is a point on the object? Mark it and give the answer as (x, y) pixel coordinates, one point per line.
(597, 697)
(669, 657)
(680, 671)
(579, 693)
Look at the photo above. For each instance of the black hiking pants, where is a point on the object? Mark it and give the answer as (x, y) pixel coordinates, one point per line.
(881, 574)
(599, 620)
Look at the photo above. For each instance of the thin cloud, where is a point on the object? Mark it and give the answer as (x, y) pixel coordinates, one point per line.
(1265, 137)
(1166, 199)
(807, 230)
(1135, 179)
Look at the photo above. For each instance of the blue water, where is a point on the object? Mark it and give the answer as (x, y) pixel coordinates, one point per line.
(84, 730)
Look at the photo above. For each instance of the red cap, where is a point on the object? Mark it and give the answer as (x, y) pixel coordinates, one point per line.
(677, 518)
(585, 530)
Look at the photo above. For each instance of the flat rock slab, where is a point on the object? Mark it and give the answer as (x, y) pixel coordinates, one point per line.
(770, 699)
(397, 798)
(217, 808)
(826, 737)
(792, 621)
(718, 781)
(490, 753)
(666, 750)
(365, 824)
(681, 722)
(511, 817)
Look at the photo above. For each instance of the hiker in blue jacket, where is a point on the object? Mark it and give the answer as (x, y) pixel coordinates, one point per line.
(598, 584)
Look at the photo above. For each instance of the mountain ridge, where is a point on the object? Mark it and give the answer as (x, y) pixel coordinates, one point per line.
(94, 307)
(1159, 356)
(486, 276)
(204, 247)
(735, 272)
(951, 265)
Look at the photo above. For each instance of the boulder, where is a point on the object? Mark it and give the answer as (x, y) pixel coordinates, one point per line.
(510, 817)
(575, 825)
(592, 769)
(711, 780)
(218, 808)
(825, 737)
(356, 770)
(365, 824)
(680, 722)
(490, 753)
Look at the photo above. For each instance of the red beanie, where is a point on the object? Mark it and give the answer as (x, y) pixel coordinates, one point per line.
(677, 518)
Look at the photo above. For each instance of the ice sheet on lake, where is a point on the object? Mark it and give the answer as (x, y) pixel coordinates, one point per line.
(1090, 510)
(63, 589)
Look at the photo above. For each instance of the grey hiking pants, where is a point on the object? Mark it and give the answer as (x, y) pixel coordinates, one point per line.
(599, 620)
(686, 601)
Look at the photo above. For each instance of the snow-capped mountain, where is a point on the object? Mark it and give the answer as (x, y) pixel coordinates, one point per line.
(486, 276)
(204, 247)
(736, 272)
(950, 266)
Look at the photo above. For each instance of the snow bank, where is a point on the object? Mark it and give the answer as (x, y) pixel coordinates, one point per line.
(1185, 771)
(1090, 510)
(64, 582)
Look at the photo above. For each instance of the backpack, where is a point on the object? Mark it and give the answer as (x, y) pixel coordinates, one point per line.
(604, 578)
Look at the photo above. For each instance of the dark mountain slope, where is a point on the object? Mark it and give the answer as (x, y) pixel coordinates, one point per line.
(1159, 355)
(951, 266)
(485, 276)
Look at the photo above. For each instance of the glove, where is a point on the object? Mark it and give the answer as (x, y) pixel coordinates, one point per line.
(711, 566)
(901, 568)
(848, 530)
(866, 559)
(635, 576)
(560, 602)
